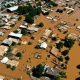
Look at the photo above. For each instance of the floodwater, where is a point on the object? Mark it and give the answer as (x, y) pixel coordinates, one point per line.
(72, 71)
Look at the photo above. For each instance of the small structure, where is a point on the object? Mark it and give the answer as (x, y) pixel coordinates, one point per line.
(46, 33)
(22, 27)
(15, 35)
(13, 63)
(11, 9)
(2, 77)
(54, 51)
(4, 60)
(43, 45)
(78, 28)
(1, 33)
(7, 42)
(14, 51)
(73, 36)
(3, 50)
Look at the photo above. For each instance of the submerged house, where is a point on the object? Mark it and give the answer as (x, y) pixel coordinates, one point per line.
(12, 9)
(15, 35)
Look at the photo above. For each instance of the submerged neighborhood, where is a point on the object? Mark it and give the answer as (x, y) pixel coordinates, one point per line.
(39, 39)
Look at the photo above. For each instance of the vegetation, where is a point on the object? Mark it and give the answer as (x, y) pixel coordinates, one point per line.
(67, 58)
(29, 43)
(13, 43)
(23, 31)
(12, 25)
(8, 66)
(68, 42)
(60, 58)
(19, 54)
(41, 24)
(19, 18)
(59, 45)
(65, 52)
(13, 67)
(16, 31)
(37, 46)
(37, 72)
(54, 38)
(78, 66)
(77, 78)
(63, 75)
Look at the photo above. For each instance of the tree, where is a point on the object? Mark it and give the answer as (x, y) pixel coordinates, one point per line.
(38, 11)
(8, 66)
(19, 18)
(60, 58)
(58, 78)
(19, 54)
(65, 52)
(29, 43)
(37, 72)
(78, 66)
(77, 78)
(68, 42)
(29, 19)
(13, 67)
(41, 24)
(67, 58)
(59, 45)
(54, 38)
(23, 31)
(13, 43)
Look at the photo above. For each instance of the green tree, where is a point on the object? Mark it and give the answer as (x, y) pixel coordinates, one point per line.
(29, 19)
(59, 45)
(13, 67)
(65, 52)
(67, 58)
(77, 78)
(68, 42)
(41, 24)
(8, 66)
(19, 54)
(37, 72)
(60, 58)
(19, 18)
(78, 66)
(23, 31)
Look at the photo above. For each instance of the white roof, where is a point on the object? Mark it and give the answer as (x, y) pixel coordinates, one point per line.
(2, 77)
(13, 8)
(43, 45)
(15, 34)
(4, 60)
(22, 26)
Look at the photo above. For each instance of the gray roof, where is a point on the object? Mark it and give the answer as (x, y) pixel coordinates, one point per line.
(7, 42)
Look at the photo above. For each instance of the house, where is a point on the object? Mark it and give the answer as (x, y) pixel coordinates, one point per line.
(22, 27)
(54, 51)
(51, 72)
(2, 77)
(78, 28)
(43, 45)
(47, 33)
(4, 60)
(14, 51)
(11, 9)
(15, 35)
(3, 50)
(13, 63)
(33, 28)
(1, 33)
(73, 36)
(14, 40)
(7, 42)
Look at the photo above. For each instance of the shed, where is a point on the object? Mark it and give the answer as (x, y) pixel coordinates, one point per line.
(4, 60)
(11, 9)
(2, 77)
(43, 45)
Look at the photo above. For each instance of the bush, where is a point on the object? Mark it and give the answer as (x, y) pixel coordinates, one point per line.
(37, 46)
(12, 25)
(29, 43)
(8, 66)
(41, 24)
(16, 31)
(19, 18)
(13, 43)
(78, 66)
(13, 67)
(65, 52)
(60, 58)
(37, 72)
(19, 54)
(67, 58)
(54, 38)
(23, 31)
(32, 37)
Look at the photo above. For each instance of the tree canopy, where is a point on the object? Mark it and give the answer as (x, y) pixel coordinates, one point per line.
(37, 72)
